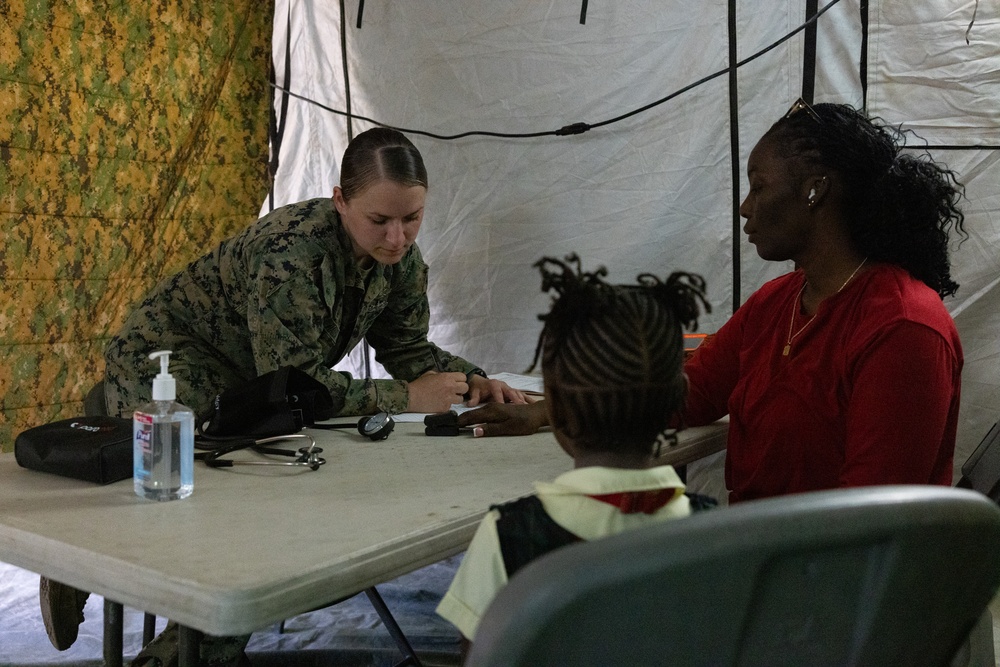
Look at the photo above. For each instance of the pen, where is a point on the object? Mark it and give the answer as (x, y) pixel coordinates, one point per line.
(439, 367)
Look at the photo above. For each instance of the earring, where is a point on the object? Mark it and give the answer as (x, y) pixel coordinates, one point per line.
(812, 197)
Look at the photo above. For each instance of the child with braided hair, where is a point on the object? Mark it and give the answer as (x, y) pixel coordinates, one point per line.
(612, 359)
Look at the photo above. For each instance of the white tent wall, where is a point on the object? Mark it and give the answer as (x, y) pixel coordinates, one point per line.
(650, 193)
(925, 76)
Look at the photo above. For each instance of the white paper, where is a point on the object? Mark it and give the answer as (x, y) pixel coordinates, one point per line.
(403, 417)
(532, 383)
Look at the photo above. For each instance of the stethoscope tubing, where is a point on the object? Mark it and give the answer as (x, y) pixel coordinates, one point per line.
(307, 456)
(375, 427)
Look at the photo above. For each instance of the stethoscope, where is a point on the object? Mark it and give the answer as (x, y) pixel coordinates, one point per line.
(308, 456)
(375, 427)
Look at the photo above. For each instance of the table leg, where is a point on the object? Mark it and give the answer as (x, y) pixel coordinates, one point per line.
(390, 624)
(148, 628)
(113, 628)
(188, 643)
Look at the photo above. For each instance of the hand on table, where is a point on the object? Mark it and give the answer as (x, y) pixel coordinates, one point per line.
(495, 419)
(484, 390)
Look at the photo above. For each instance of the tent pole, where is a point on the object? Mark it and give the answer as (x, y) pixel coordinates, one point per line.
(809, 53)
(275, 128)
(863, 64)
(366, 352)
(734, 151)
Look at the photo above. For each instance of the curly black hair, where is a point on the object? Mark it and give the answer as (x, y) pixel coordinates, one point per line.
(899, 207)
(612, 355)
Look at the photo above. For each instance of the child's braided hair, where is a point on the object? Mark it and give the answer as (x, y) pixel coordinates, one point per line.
(612, 355)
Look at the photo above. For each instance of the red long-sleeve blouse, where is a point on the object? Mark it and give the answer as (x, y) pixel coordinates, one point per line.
(867, 395)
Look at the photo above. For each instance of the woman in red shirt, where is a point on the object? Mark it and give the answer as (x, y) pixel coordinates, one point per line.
(846, 371)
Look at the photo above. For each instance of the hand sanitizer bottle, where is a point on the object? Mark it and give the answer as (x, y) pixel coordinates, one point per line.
(163, 441)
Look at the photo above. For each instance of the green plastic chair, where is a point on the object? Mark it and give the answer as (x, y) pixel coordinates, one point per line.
(890, 575)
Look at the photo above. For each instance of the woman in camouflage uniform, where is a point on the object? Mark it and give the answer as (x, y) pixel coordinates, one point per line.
(301, 287)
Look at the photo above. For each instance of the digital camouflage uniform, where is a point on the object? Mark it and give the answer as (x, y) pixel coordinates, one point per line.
(287, 291)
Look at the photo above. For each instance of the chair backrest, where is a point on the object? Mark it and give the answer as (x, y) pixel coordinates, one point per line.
(981, 471)
(892, 575)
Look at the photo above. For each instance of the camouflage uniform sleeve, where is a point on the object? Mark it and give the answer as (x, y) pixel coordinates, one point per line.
(399, 334)
(290, 322)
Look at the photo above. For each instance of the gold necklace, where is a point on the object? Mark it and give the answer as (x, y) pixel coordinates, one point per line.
(795, 307)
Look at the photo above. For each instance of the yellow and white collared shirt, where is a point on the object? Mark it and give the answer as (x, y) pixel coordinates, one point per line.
(584, 501)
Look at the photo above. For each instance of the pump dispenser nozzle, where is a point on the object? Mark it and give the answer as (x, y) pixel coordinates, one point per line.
(164, 385)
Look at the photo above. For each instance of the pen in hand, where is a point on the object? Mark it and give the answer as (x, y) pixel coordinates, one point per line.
(439, 367)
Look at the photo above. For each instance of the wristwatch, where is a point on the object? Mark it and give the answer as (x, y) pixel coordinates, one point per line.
(476, 371)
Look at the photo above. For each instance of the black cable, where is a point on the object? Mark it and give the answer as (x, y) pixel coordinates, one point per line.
(968, 31)
(956, 147)
(573, 128)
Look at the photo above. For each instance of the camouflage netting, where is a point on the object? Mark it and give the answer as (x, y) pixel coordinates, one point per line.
(133, 137)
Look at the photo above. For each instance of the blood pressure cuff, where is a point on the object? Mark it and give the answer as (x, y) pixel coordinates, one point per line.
(94, 449)
(277, 403)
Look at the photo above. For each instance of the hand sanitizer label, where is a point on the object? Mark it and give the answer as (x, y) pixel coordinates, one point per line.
(142, 445)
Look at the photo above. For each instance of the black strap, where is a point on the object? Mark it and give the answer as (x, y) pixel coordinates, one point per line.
(527, 532)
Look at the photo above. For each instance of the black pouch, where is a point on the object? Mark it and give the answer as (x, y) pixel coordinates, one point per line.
(276, 403)
(94, 449)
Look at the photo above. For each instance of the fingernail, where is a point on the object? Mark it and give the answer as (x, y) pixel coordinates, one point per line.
(477, 432)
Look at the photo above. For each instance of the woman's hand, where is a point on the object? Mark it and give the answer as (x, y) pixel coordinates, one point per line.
(484, 390)
(505, 419)
(437, 392)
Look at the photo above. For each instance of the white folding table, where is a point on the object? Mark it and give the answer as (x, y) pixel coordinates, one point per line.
(255, 545)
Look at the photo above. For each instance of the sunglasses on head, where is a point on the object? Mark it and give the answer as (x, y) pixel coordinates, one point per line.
(801, 105)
